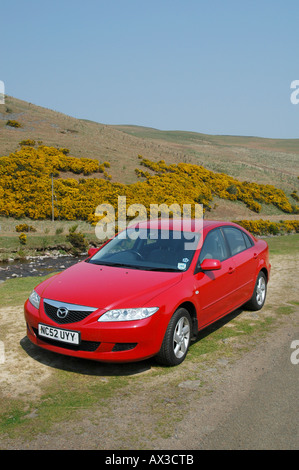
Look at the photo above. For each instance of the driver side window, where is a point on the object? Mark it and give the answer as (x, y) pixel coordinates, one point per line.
(214, 247)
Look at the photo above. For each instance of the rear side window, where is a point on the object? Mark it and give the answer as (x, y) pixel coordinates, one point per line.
(236, 239)
(248, 240)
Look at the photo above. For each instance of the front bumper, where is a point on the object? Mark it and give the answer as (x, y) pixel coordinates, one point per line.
(126, 341)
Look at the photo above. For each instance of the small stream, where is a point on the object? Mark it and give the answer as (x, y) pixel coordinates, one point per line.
(36, 266)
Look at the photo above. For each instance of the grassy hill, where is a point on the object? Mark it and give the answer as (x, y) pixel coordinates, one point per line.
(266, 161)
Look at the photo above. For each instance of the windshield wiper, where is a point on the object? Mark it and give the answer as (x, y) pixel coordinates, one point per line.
(117, 265)
(169, 270)
(131, 266)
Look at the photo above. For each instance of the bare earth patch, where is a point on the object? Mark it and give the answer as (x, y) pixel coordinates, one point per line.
(21, 375)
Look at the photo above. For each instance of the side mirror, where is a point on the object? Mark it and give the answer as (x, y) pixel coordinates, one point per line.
(92, 251)
(210, 264)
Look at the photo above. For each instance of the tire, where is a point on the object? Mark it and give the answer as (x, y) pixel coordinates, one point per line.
(258, 298)
(176, 340)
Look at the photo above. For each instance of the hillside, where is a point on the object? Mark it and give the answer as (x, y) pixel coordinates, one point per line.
(265, 161)
(261, 160)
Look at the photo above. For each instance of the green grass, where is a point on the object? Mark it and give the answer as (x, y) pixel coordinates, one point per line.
(14, 292)
(34, 242)
(285, 244)
(285, 309)
(48, 236)
(213, 340)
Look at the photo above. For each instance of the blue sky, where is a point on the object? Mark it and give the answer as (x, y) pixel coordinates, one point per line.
(217, 67)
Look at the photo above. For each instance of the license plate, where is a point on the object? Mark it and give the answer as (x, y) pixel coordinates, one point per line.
(59, 334)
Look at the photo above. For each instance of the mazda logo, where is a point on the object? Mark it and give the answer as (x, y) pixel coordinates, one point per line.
(62, 312)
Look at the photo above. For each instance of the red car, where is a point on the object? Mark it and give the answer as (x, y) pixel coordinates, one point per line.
(148, 294)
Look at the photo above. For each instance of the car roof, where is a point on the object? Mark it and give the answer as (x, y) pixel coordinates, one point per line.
(192, 225)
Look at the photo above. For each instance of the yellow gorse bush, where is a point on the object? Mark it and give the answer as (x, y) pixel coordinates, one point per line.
(25, 179)
(25, 228)
(23, 238)
(209, 183)
(265, 227)
(25, 186)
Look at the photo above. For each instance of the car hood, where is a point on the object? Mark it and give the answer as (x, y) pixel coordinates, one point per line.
(106, 287)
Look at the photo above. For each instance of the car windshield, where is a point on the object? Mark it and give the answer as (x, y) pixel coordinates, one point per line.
(153, 250)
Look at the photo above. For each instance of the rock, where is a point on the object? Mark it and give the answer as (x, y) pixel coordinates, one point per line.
(223, 362)
(230, 339)
(32, 415)
(190, 384)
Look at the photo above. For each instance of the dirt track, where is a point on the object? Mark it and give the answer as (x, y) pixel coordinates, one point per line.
(246, 401)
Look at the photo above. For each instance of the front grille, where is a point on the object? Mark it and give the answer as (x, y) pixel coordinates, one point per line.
(75, 313)
(89, 346)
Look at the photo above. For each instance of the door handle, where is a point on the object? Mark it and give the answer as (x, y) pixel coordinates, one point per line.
(231, 270)
(255, 255)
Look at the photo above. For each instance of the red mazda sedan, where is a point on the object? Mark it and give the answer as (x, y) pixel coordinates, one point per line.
(147, 292)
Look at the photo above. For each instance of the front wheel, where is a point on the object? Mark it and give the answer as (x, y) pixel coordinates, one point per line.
(259, 294)
(176, 340)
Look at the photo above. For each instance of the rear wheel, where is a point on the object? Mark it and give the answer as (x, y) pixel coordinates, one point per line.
(176, 340)
(259, 294)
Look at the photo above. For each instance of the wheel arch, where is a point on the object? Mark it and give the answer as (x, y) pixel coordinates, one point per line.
(190, 307)
(265, 271)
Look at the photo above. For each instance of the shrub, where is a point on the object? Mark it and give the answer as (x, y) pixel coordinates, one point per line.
(23, 238)
(13, 123)
(65, 151)
(77, 240)
(25, 228)
(232, 189)
(29, 142)
(265, 227)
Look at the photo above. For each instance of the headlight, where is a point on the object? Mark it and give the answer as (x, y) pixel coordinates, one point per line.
(34, 299)
(126, 314)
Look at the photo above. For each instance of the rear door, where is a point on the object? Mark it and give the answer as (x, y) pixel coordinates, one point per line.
(216, 290)
(244, 254)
